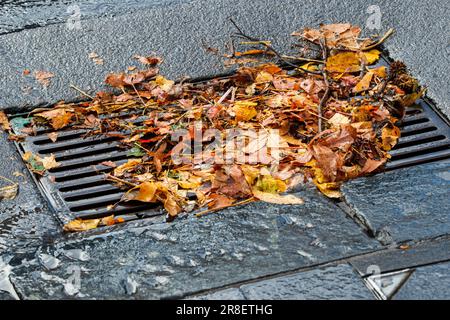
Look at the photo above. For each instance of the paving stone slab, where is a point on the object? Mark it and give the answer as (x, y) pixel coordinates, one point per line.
(404, 205)
(226, 294)
(176, 31)
(26, 221)
(388, 260)
(192, 255)
(335, 282)
(427, 283)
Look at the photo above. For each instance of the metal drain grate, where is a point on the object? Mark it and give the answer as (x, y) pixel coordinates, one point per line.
(77, 188)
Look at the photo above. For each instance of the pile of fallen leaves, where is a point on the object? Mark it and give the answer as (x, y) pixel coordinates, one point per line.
(333, 118)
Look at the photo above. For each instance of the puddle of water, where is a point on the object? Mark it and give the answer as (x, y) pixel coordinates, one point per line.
(5, 282)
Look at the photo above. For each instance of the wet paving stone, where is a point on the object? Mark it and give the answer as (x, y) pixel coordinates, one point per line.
(409, 257)
(404, 205)
(427, 283)
(192, 255)
(336, 282)
(26, 221)
(226, 294)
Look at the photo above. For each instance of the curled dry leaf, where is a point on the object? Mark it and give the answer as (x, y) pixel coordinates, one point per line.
(9, 192)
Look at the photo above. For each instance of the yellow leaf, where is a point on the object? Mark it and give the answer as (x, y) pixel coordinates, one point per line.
(245, 110)
(270, 185)
(250, 173)
(330, 189)
(188, 184)
(50, 162)
(78, 225)
(364, 84)
(310, 66)
(276, 198)
(372, 56)
(120, 170)
(147, 191)
(344, 62)
(4, 123)
(379, 72)
(263, 76)
(163, 83)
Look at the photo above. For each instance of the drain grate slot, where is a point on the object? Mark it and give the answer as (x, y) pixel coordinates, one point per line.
(78, 189)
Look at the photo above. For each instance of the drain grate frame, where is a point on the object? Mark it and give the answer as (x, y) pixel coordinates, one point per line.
(77, 189)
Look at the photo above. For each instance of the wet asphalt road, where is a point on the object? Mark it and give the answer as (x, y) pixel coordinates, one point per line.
(16, 15)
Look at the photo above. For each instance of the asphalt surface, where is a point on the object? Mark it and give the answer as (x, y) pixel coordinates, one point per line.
(176, 32)
(393, 221)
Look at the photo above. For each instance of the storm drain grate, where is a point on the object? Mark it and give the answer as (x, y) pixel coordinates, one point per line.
(77, 188)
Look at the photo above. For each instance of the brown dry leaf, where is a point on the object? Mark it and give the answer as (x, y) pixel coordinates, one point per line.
(43, 77)
(150, 60)
(59, 118)
(120, 170)
(4, 123)
(109, 164)
(53, 136)
(389, 137)
(344, 62)
(372, 165)
(79, 225)
(276, 198)
(219, 201)
(364, 84)
(172, 206)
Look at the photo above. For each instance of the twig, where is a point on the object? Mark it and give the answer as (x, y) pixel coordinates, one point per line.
(303, 59)
(81, 91)
(110, 177)
(269, 47)
(376, 44)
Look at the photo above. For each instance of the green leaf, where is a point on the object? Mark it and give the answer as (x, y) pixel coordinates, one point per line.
(136, 152)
